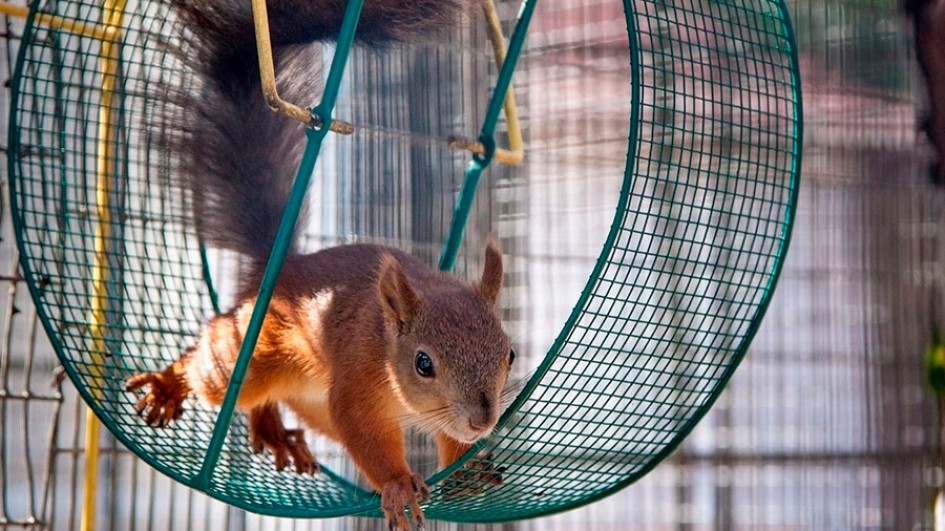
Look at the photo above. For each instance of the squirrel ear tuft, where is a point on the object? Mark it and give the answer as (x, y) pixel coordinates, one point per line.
(401, 303)
(491, 283)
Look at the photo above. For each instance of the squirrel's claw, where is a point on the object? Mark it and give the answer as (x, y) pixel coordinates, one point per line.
(256, 444)
(295, 450)
(420, 487)
(401, 492)
(305, 462)
(266, 430)
(138, 381)
(164, 402)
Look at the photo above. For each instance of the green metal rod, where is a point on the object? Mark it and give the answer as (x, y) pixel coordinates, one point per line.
(463, 205)
(487, 138)
(283, 242)
(516, 41)
(208, 278)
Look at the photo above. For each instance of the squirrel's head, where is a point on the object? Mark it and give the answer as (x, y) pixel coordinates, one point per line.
(451, 360)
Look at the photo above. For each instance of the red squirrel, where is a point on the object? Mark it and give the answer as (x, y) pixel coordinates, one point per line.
(358, 339)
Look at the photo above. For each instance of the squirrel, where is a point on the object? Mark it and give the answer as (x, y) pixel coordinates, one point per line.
(359, 340)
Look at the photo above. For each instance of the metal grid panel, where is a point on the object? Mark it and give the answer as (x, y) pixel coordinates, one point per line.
(706, 220)
(153, 290)
(795, 408)
(687, 268)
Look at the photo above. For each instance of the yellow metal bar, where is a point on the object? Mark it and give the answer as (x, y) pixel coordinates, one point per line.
(267, 73)
(113, 15)
(56, 22)
(90, 482)
(515, 154)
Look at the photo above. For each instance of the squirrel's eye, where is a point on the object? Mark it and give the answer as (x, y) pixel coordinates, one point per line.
(424, 364)
(511, 356)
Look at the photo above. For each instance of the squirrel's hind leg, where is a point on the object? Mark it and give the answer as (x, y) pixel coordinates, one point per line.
(266, 430)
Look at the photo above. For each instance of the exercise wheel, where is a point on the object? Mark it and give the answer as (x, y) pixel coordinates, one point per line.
(695, 248)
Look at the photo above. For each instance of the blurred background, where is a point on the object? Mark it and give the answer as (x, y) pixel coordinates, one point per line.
(827, 424)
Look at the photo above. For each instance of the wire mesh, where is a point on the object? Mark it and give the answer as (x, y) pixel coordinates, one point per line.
(791, 444)
(687, 268)
(151, 254)
(701, 224)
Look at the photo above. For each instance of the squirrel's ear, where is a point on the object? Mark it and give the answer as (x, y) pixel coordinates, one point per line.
(491, 283)
(401, 304)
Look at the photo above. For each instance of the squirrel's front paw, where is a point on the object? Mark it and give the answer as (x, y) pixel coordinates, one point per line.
(472, 479)
(398, 493)
(164, 401)
(266, 430)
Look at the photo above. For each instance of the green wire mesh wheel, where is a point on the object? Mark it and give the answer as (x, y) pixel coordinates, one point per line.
(695, 248)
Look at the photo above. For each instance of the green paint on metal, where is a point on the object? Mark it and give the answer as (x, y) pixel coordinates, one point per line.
(486, 137)
(688, 268)
(458, 225)
(208, 279)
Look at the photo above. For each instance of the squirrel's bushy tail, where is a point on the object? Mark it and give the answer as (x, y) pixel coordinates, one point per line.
(238, 157)
(229, 23)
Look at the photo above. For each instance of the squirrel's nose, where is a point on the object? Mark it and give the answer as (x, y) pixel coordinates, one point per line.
(481, 419)
(478, 424)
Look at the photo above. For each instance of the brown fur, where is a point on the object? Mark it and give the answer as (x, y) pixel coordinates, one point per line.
(347, 322)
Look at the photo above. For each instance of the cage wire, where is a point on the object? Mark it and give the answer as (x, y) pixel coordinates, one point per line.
(826, 425)
(705, 208)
